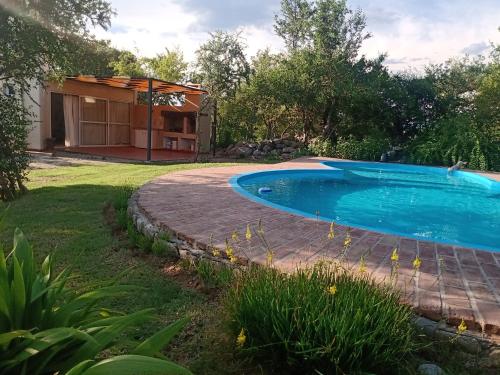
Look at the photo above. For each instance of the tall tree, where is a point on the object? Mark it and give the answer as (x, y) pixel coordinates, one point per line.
(221, 66)
(128, 64)
(169, 66)
(36, 42)
(294, 23)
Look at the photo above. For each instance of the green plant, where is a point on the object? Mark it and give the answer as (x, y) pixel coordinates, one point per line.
(162, 248)
(14, 159)
(46, 328)
(456, 138)
(321, 147)
(121, 218)
(323, 318)
(120, 199)
(369, 148)
(213, 275)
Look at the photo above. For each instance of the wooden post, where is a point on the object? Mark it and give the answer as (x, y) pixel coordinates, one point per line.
(150, 116)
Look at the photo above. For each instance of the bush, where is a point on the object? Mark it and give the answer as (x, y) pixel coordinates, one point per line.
(299, 321)
(369, 148)
(453, 139)
(214, 275)
(162, 248)
(14, 158)
(45, 328)
(321, 147)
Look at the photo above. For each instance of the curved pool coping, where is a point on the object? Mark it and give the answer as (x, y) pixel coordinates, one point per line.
(332, 165)
(200, 207)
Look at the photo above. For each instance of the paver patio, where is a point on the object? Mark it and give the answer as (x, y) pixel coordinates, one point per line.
(453, 282)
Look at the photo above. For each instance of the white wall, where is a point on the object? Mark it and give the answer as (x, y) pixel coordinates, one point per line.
(32, 102)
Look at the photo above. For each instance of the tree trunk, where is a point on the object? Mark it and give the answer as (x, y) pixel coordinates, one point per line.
(329, 128)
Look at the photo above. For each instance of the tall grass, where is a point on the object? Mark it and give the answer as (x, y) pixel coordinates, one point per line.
(324, 318)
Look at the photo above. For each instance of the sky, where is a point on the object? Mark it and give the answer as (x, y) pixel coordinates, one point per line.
(413, 33)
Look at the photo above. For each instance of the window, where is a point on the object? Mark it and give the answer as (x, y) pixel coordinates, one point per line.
(104, 122)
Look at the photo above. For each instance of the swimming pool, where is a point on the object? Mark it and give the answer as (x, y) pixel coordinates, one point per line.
(425, 203)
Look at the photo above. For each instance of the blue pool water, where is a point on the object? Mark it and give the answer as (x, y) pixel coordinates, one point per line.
(420, 202)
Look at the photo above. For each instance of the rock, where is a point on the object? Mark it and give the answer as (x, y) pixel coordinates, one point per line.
(288, 150)
(279, 146)
(426, 325)
(258, 154)
(429, 369)
(267, 148)
(492, 360)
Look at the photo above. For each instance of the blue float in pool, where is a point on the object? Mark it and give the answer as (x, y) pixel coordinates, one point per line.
(264, 190)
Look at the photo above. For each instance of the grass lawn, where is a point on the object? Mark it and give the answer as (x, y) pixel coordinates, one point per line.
(63, 214)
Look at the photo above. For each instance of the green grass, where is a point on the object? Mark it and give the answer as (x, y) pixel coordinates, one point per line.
(63, 214)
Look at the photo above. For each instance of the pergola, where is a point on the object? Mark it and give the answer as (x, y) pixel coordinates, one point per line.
(141, 84)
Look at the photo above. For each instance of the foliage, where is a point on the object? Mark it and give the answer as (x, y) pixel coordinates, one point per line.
(128, 64)
(169, 66)
(369, 148)
(221, 65)
(14, 159)
(299, 320)
(214, 275)
(321, 147)
(47, 328)
(36, 38)
(453, 139)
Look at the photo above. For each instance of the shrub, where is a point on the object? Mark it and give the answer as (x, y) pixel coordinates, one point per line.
(297, 320)
(14, 158)
(121, 218)
(162, 248)
(321, 147)
(45, 328)
(214, 275)
(369, 148)
(456, 138)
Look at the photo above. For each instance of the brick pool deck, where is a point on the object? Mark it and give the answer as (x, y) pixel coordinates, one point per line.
(453, 282)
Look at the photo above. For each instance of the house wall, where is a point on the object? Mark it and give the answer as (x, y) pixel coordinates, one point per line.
(32, 102)
(191, 105)
(42, 131)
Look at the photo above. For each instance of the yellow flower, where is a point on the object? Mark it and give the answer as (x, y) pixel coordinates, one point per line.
(269, 257)
(332, 290)
(362, 265)
(462, 327)
(416, 263)
(241, 339)
(234, 236)
(229, 249)
(347, 240)
(248, 233)
(395, 256)
(331, 233)
(215, 252)
(232, 258)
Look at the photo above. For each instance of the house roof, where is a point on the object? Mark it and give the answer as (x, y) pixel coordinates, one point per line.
(140, 84)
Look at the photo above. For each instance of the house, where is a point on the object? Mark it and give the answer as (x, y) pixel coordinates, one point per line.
(109, 116)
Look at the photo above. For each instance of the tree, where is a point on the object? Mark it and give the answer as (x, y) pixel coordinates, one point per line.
(92, 57)
(294, 24)
(129, 65)
(221, 67)
(36, 42)
(169, 66)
